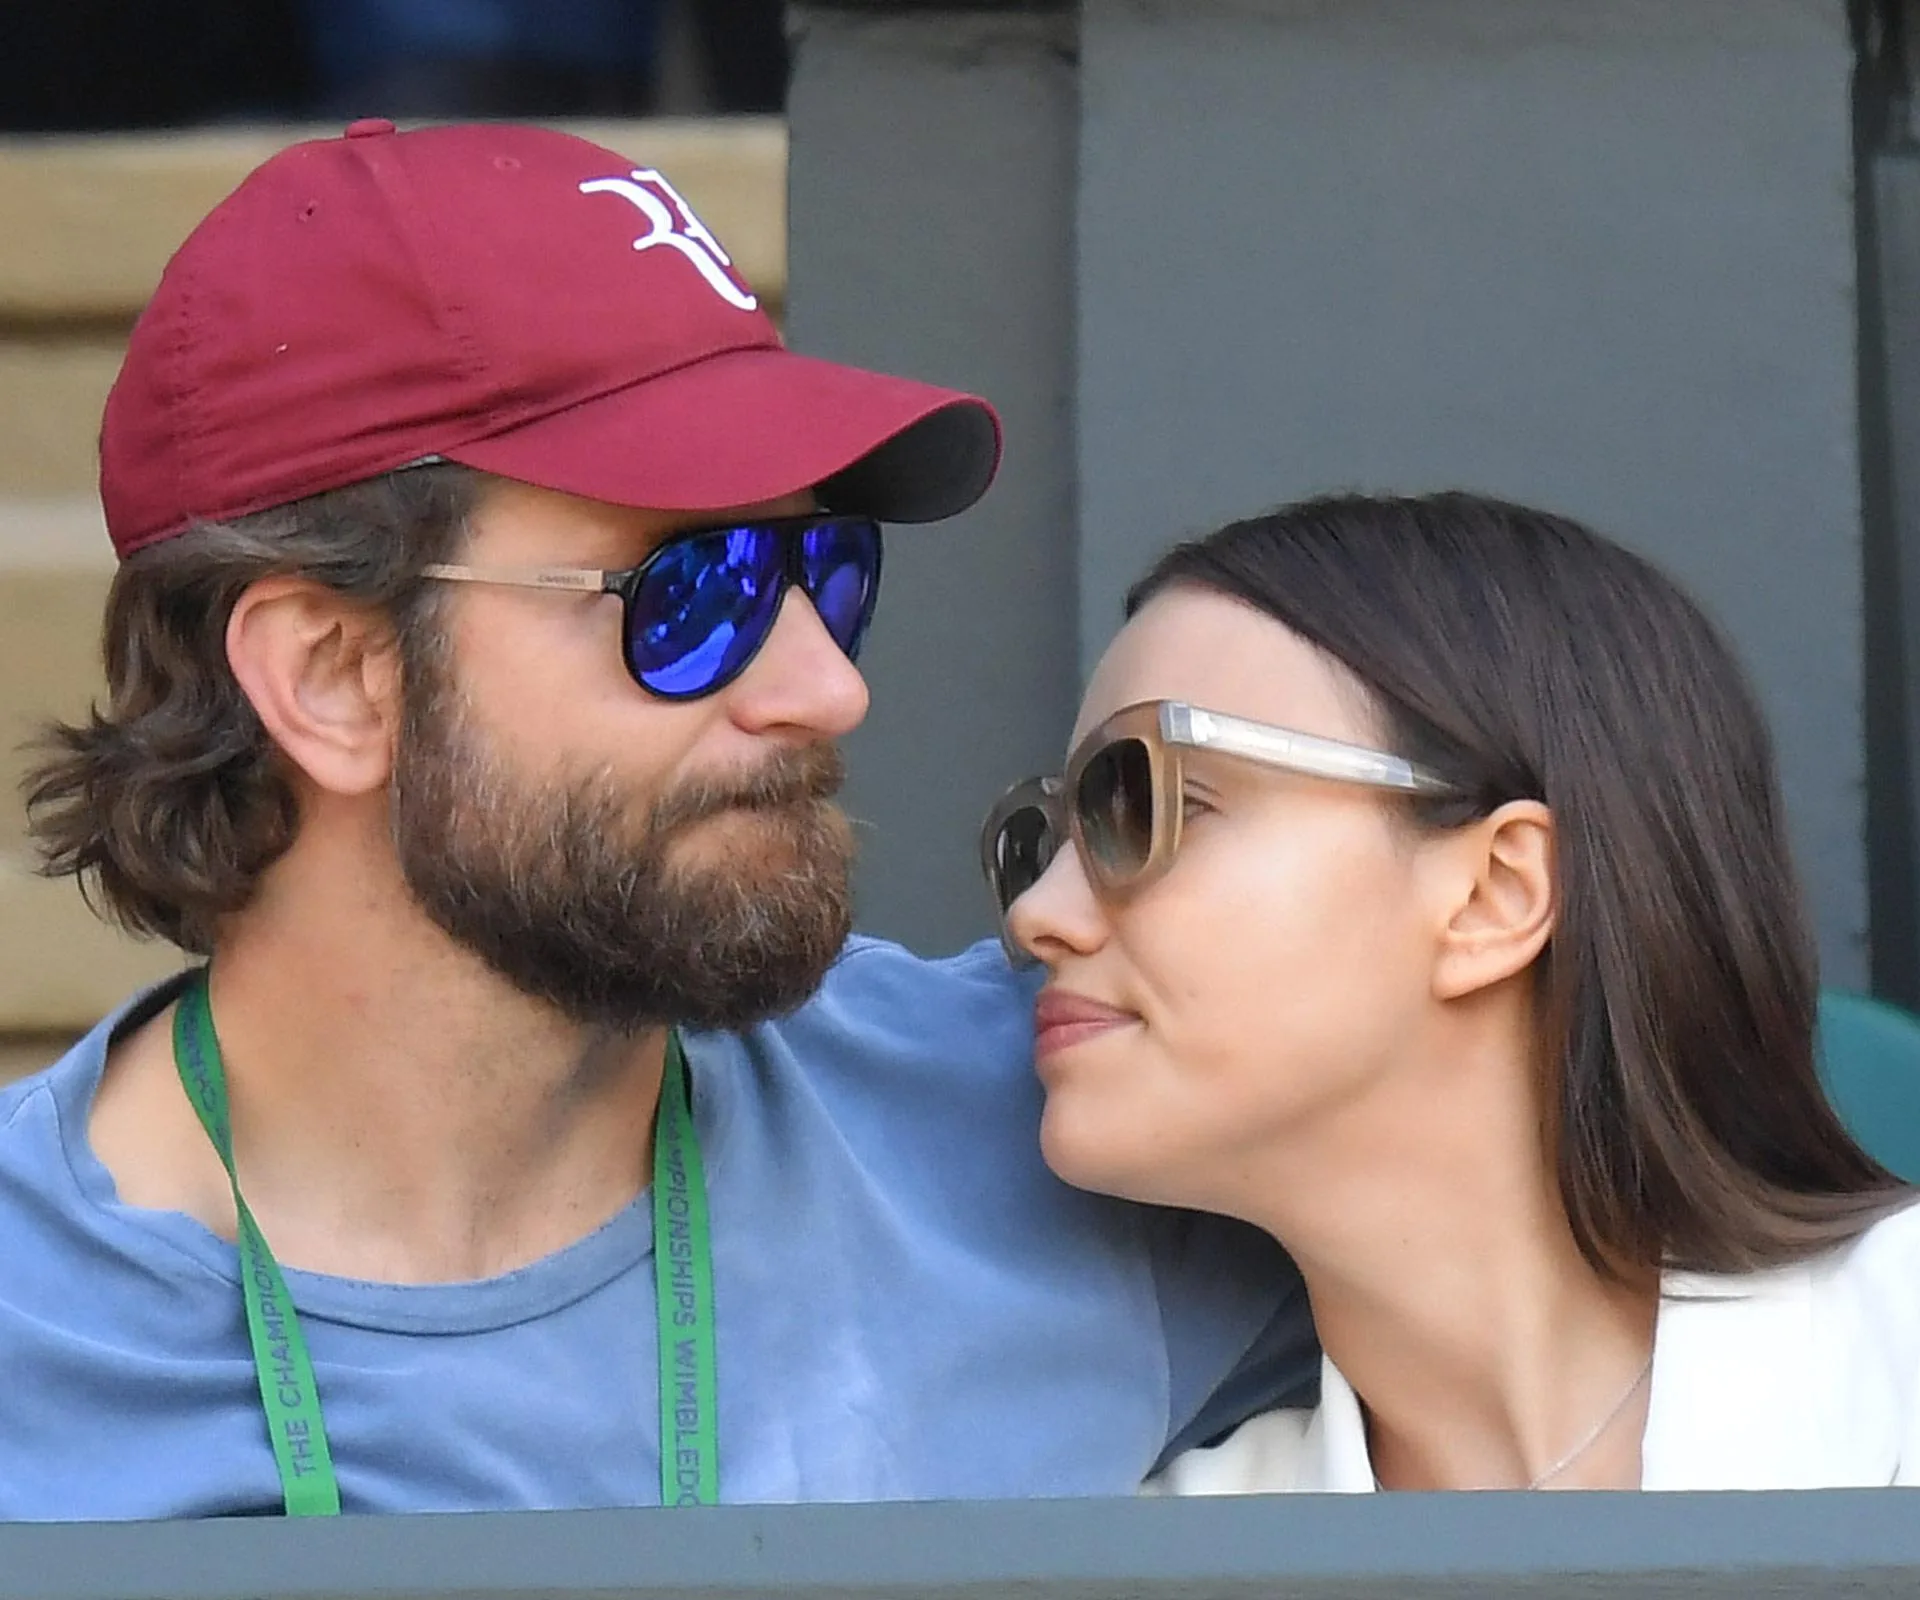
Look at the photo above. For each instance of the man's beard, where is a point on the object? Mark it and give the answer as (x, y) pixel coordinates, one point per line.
(558, 890)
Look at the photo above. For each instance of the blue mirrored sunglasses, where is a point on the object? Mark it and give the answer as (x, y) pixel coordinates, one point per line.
(696, 612)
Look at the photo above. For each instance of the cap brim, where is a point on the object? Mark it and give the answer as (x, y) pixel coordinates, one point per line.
(751, 425)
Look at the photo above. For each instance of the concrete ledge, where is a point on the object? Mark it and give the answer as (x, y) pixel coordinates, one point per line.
(49, 667)
(54, 533)
(52, 391)
(21, 1053)
(91, 220)
(61, 968)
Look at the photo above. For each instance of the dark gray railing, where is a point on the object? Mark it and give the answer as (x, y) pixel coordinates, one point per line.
(1858, 1543)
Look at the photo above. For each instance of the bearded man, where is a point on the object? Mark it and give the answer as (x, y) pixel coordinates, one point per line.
(533, 1133)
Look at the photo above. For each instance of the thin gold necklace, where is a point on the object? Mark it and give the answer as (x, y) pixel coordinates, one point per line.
(1589, 1439)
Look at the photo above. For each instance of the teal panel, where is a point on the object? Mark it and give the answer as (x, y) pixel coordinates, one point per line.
(1870, 1061)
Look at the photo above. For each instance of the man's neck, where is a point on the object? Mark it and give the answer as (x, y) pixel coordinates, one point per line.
(399, 1113)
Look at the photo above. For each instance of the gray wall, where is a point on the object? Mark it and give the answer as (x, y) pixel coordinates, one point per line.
(931, 201)
(1597, 254)
(1594, 253)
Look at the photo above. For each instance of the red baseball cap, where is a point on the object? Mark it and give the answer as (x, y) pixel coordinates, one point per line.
(511, 298)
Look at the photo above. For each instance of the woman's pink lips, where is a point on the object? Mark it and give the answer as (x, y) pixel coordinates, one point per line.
(1062, 1020)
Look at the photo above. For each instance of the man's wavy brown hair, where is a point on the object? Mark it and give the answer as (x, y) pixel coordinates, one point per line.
(168, 802)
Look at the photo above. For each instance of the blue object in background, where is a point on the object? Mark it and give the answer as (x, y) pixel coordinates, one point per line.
(1869, 1055)
(484, 57)
(352, 35)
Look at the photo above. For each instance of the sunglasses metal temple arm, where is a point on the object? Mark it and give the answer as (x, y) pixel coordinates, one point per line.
(1306, 753)
(577, 580)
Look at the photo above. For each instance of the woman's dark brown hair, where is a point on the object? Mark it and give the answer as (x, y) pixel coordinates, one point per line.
(170, 802)
(1523, 656)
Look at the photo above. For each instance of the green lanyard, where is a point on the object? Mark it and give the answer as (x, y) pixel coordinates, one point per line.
(683, 1281)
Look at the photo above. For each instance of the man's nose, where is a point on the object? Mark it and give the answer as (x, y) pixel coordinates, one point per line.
(800, 680)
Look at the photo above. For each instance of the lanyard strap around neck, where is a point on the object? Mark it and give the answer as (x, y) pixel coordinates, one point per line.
(683, 1269)
(288, 1393)
(683, 1291)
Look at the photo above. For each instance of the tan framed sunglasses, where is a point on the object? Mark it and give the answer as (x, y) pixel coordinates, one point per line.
(1119, 800)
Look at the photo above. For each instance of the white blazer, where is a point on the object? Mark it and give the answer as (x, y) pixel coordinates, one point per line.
(1807, 1377)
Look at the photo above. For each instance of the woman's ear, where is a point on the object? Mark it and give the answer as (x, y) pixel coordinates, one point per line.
(1503, 899)
(323, 677)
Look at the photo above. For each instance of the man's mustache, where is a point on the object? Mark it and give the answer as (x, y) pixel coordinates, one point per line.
(792, 779)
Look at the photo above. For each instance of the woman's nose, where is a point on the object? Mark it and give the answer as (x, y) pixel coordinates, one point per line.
(1060, 916)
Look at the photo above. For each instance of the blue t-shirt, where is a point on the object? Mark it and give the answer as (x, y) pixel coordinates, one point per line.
(909, 1305)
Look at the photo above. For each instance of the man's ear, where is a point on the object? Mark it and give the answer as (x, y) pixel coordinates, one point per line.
(323, 676)
(1502, 899)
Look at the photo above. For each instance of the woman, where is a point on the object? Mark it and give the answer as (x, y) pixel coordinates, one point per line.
(1429, 906)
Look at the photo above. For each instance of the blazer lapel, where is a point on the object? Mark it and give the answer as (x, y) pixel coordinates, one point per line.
(1730, 1406)
(1339, 1452)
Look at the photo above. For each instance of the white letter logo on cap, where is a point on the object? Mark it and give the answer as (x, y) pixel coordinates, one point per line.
(686, 233)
